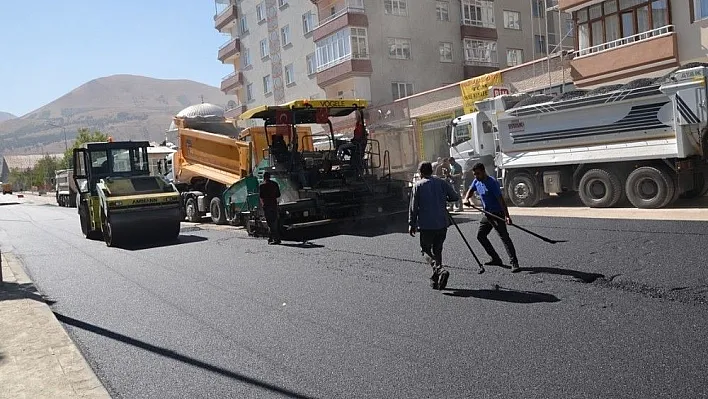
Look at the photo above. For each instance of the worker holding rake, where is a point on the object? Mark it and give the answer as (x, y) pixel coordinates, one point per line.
(493, 204)
(428, 215)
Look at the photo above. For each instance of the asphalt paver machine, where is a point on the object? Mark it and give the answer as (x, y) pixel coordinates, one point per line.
(349, 181)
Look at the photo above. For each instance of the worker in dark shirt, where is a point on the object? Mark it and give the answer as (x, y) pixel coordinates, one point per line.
(269, 192)
(493, 202)
(428, 215)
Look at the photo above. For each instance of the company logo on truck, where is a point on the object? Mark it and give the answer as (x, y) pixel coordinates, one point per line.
(515, 126)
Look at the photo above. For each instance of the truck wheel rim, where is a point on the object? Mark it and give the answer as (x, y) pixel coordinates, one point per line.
(647, 189)
(190, 211)
(521, 191)
(596, 189)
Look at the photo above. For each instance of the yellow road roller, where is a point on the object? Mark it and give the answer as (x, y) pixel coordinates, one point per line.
(118, 200)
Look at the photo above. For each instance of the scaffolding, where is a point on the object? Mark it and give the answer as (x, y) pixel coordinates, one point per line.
(545, 11)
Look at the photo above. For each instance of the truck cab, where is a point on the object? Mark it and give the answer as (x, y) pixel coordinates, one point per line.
(472, 139)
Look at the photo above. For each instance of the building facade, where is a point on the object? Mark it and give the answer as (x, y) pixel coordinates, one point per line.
(266, 42)
(621, 40)
(390, 49)
(379, 50)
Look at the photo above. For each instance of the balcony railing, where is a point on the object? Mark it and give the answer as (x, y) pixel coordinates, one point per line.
(345, 10)
(625, 41)
(229, 49)
(225, 17)
(479, 24)
(335, 62)
(482, 62)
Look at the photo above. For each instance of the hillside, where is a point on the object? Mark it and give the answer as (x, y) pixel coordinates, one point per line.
(123, 106)
(6, 116)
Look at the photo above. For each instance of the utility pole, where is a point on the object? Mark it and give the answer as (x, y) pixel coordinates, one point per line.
(66, 144)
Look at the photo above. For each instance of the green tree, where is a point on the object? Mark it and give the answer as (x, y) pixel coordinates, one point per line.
(83, 136)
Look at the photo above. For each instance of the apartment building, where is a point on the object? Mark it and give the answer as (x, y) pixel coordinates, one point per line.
(383, 50)
(380, 50)
(266, 42)
(621, 40)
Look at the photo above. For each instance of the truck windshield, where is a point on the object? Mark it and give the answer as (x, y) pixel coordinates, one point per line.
(461, 133)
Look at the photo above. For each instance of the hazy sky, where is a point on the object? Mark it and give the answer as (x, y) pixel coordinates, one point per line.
(50, 47)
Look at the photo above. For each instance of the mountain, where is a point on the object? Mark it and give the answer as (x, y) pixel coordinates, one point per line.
(126, 107)
(4, 116)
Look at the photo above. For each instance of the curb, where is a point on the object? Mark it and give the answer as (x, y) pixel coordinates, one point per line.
(61, 367)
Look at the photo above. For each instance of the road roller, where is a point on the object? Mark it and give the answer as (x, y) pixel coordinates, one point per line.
(118, 199)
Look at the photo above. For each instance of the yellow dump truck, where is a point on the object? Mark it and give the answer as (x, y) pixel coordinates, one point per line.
(213, 155)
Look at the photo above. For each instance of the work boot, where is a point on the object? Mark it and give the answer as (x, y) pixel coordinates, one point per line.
(442, 280)
(435, 278)
(515, 267)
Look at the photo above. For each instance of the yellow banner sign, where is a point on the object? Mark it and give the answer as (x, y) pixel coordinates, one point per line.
(477, 88)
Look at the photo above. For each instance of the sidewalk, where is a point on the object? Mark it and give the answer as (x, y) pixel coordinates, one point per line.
(38, 359)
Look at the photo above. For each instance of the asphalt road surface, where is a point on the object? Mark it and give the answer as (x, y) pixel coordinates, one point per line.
(618, 311)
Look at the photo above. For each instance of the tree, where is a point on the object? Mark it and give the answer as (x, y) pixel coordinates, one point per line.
(83, 136)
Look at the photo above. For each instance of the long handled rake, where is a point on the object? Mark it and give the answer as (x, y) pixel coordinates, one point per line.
(481, 267)
(546, 239)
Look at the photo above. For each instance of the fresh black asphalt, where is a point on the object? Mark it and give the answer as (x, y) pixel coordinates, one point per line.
(618, 311)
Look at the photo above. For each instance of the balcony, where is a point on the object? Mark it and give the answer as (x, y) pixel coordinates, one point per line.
(230, 51)
(348, 16)
(226, 19)
(342, 69)
(231, 82)
(475, 68)
(574, 5)
(478, 32)
(630, 56)
(235, 112)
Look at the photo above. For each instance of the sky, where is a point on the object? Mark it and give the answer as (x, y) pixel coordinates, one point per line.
(50, 47)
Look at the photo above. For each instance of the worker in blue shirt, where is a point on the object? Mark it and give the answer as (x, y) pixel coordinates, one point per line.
(493, 202)
(428, 215)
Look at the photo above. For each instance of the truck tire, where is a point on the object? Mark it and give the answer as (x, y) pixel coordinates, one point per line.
(191, 210)
(649, 187)
(523, 190)
(218, 213)
(599, 188)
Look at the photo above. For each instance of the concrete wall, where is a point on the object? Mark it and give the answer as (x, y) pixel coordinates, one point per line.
(692, 36)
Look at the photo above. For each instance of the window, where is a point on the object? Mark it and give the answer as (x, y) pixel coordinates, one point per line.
(244, 25)
(700, 9)
(445, 52)
(289, 74)
(340, 46)
(267, 84)
(356, 4)
(481, 52)
(540, 43)
(512, 20)
(245, 58)
(360, 48)
(538, 9)
(399, 48)
(285, 35)
(478, 13)
(401, 89)
(249, 92)
(282, 3)
(308, 22)
(265, 50)
(260, 12)
(396, 7)
(514, 56)
(618, 22)
(442, 10)
(311, 64)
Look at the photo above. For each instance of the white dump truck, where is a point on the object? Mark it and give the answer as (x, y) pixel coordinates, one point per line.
(645, 141)
(65, 188)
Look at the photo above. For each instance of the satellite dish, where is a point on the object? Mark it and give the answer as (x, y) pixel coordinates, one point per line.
(231, 104)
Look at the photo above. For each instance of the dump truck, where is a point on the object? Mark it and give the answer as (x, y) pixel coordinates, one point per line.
(65, 188)
(213, 155)
(119, 199)
(646, 141)
(6, 188)
(340, 184)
